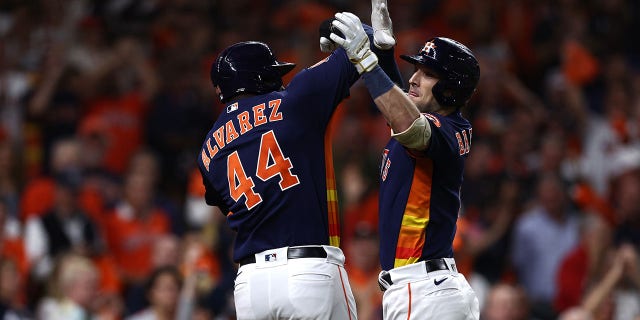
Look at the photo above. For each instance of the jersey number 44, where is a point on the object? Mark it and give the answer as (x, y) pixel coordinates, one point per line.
(271, 163)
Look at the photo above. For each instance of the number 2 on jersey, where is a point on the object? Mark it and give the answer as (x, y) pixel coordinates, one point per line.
(271, 163)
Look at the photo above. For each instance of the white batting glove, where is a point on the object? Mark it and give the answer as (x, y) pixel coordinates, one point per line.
(381, 23)
(355, 41)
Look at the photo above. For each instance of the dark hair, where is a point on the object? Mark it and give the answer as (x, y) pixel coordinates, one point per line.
(155, 275)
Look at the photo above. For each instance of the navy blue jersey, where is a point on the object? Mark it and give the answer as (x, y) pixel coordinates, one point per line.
(420, 193)
(264, 162)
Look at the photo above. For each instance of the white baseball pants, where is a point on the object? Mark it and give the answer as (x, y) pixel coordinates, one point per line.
(420, 295)
(276, 287)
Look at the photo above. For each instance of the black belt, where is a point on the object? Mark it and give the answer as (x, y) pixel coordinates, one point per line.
(436, 265)
(430, 266)
(293, 253)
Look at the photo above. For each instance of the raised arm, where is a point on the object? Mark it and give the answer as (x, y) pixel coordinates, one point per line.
(409, 127)
(384, 41)
(380, 35)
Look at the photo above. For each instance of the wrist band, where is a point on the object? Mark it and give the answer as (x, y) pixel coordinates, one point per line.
(366, 63)
(377, 82)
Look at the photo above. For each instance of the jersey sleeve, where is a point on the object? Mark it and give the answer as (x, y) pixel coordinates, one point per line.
(324, 85)
(443, 143)
(211, 196)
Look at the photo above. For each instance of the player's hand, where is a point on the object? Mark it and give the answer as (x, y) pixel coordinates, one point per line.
(355, 41)
(381, 23)
(326, 45)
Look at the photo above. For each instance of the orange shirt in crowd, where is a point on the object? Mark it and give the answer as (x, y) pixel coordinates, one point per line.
(204, 262)
(464, 261)
(38, 198)
(120, 123)
(109, 279)
(195, 187)
(366, 291)
(364, 212)
(579, 66)
(131, 240)
(587, 199)
(209, 264)
(13, 249)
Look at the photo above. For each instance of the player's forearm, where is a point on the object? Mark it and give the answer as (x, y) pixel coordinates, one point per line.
(394, 104)
(399, 111)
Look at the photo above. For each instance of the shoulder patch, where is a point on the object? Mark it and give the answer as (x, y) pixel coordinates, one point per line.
(433, 119)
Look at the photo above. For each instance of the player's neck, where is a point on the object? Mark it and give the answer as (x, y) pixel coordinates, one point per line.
(441, 110)
(240, 97)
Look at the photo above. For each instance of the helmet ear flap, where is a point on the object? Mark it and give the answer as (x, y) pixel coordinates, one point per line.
(450, 92)
(265, 81)
(444, 93)
(220, 72)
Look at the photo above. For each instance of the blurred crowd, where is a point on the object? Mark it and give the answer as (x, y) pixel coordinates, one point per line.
(104, 106)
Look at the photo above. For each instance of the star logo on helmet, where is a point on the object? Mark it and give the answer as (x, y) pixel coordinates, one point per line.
(428, 47)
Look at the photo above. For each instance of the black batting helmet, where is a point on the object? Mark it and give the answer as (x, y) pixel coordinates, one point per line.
(454, 64)
(248, 67)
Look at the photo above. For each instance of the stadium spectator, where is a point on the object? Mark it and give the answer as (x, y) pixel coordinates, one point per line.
(116, 113)
(73, 73)
(362, 250)
(585, 264)
(506, 302)
(12, 304)
(62, 229)
(615, 293)
(72, 292)
(162, 291)
(132, 229)
(547, 231)
(624, 199)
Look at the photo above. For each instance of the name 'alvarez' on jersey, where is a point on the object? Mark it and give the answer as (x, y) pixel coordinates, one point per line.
(266, 161)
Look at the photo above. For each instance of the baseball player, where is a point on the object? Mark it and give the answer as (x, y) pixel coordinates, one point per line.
(266, 164)
(421, 169)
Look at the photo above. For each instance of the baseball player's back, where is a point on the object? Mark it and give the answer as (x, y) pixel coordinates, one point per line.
(265, 164)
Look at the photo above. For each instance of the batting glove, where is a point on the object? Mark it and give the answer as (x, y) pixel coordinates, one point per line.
(381, 23)
(355, 41)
